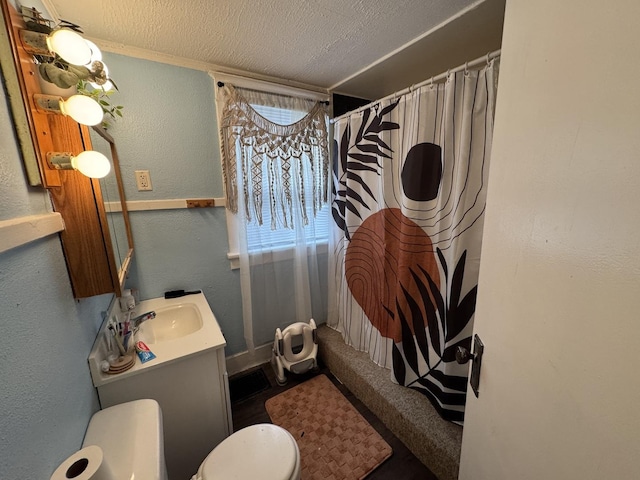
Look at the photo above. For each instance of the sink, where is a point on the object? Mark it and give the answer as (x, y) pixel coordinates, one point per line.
(171, 323)
(184, 327)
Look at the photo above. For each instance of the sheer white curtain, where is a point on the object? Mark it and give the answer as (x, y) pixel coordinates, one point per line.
(276, 170)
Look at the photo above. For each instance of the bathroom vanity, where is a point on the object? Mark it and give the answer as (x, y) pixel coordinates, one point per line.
(187, 378)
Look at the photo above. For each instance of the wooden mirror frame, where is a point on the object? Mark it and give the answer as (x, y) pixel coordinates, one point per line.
(122, 267)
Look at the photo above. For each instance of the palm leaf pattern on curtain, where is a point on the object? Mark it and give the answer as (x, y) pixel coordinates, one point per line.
(360, 157)
(445, 319)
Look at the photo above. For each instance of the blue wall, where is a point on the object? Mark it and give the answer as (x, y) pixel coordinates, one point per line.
(46, 394)
(169, 128)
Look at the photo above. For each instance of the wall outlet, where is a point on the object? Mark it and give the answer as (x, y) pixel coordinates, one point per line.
(143, 180)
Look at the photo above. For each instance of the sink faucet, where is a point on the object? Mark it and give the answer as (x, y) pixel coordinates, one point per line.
(135, 322)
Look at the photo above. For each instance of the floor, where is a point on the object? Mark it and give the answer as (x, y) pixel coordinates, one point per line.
(402, 465)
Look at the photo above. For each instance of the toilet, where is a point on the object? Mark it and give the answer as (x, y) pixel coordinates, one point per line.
(131, 438)
(264, 451)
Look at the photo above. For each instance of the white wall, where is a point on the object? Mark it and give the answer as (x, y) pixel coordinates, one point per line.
(560, 276)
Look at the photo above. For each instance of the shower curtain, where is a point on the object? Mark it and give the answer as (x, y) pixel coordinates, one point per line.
(409, 184)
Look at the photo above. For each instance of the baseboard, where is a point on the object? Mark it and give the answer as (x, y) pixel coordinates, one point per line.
(244, 360)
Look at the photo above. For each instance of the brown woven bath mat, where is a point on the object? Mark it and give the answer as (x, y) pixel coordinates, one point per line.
(335, 441)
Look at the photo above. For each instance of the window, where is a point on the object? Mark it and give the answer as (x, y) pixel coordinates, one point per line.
(262, 237)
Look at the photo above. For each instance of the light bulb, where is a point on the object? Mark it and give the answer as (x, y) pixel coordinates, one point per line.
(92, 164)
(70, 46)
(82, 109)
(96, 54)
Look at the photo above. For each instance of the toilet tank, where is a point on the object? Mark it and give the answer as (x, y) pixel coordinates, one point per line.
(131, 438)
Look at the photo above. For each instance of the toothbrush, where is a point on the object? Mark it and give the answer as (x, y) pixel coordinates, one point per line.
(126, 340)
(118, 341)
(127, 323)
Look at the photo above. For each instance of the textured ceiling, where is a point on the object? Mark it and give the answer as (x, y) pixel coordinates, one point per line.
(320, 43)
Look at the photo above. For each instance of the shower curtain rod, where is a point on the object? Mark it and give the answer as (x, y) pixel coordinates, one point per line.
(474, 63)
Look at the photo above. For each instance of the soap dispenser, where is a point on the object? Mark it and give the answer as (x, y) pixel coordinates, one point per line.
(127, 301)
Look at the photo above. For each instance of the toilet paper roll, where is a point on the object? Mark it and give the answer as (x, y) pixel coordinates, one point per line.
(85, 464)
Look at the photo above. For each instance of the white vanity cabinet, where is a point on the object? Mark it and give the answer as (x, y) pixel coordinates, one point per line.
(188, 378)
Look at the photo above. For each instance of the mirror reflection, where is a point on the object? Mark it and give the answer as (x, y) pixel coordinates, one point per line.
(112, 202)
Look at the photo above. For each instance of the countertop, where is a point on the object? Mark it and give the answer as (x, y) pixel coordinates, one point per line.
(207, 338)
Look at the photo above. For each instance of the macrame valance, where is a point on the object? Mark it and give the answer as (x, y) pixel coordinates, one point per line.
(253, 147)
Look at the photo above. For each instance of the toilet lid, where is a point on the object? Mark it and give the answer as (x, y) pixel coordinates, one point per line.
(265, 452)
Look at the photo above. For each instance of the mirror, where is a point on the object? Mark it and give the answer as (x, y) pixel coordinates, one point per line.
(114, 203)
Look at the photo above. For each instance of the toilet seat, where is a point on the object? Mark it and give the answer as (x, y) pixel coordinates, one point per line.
(264, 451)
